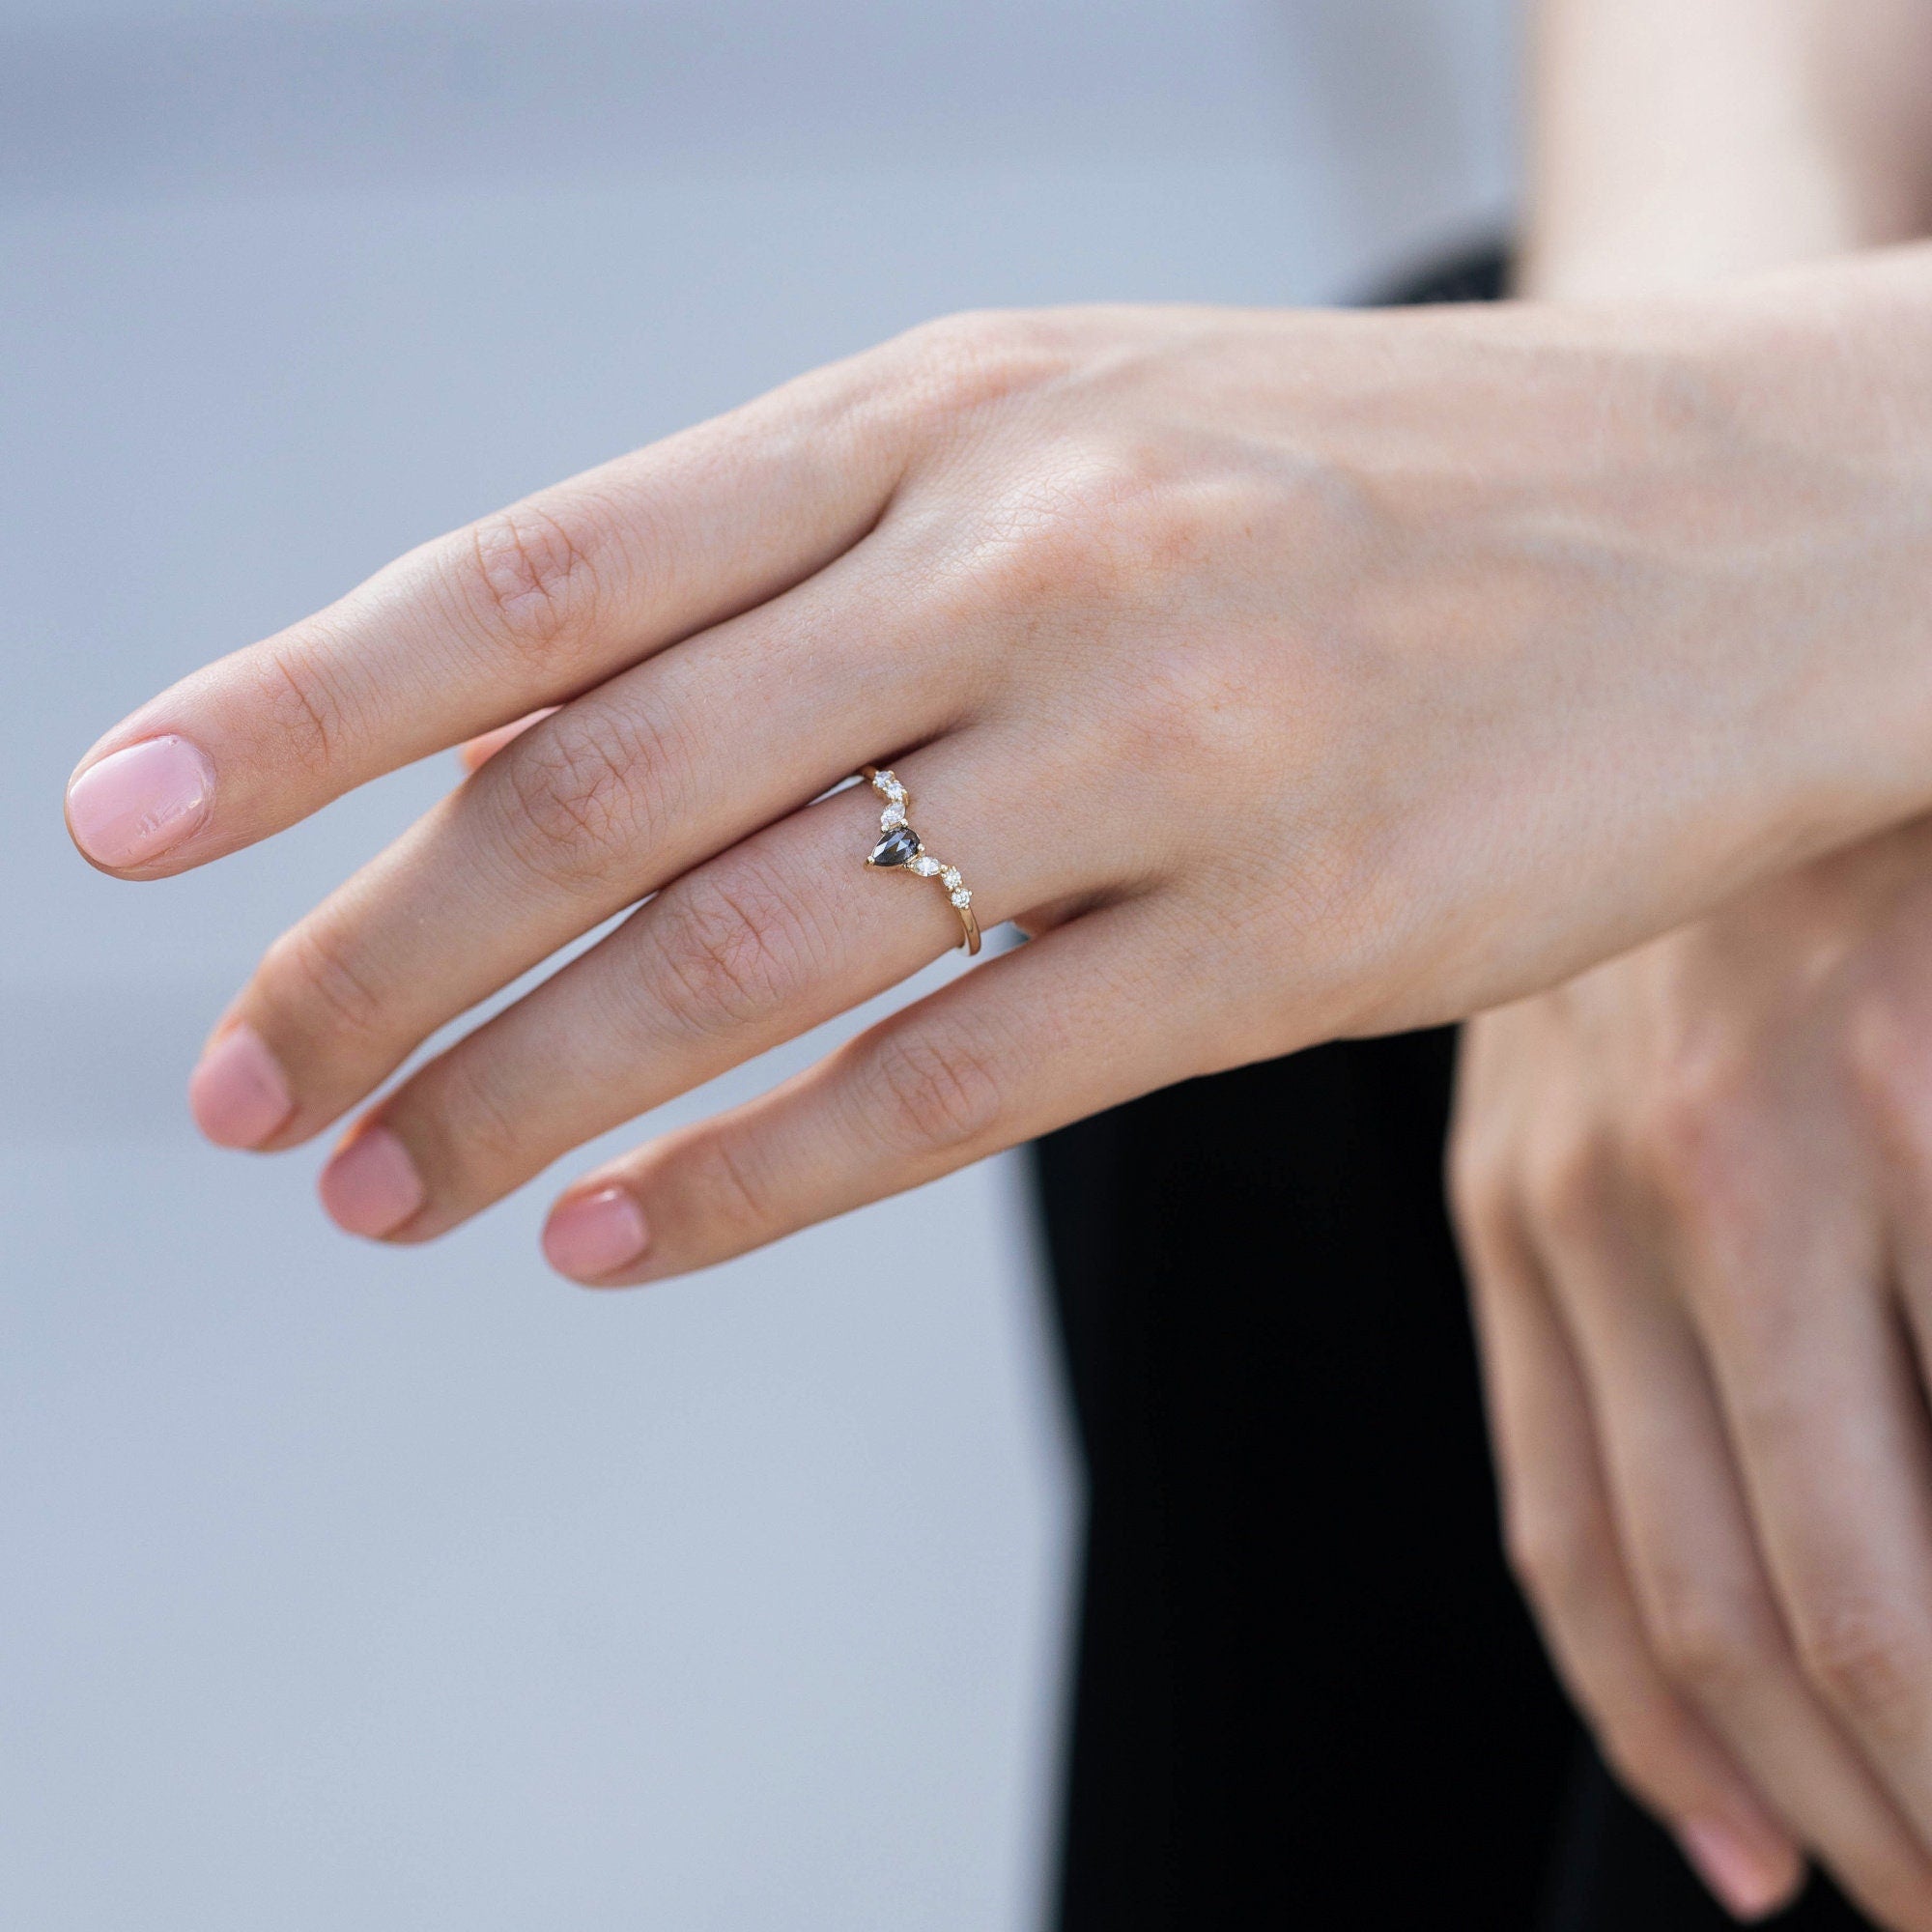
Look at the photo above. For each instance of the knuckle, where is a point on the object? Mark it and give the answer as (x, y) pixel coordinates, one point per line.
(1879, 1044)
(957, 364)
(304, 706)
(1692, 1126)
(1552, 1556)
(316, 967)
(737, 945)
(480, 1133)
(1707, 1640)
(965, 335)
(732, 1198)
(1570, 1186)
(578, 789)
(1480, 1177)
(932, 1090)
(1859, 1654)
(1472, 1168)
(534, 575)
(1096, 529)
(1888, 1061)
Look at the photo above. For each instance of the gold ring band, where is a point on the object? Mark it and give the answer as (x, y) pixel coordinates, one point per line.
(900, 850)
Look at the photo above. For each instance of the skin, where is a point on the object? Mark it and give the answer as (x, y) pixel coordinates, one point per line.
(1287, 676)
(1693, 1184)
(1351, 671)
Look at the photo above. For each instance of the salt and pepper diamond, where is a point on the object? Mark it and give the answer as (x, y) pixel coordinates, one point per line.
(896, 848)
(899, 846)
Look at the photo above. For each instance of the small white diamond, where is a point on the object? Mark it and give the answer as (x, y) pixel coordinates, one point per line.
(926, 866)
(952, 879)
(891, 818)
(896, 791)
(962, 898)
(884, 781)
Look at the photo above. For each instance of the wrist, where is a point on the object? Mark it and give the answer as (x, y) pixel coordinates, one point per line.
(1825, 423)
(1676, 142)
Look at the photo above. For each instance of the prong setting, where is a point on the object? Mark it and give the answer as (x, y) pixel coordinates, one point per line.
(899, 849)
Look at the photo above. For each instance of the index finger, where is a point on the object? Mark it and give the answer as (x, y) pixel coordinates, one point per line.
(525, 608)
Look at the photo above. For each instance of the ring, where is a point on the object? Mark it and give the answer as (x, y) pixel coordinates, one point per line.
(899, 849)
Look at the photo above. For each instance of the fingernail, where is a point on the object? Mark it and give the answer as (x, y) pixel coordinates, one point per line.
(137, 803)
(593, 1233)
(1750, 1880)
(238, 1095)
(371, 1186)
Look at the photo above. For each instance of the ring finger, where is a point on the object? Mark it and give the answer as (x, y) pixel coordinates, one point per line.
(782, 931)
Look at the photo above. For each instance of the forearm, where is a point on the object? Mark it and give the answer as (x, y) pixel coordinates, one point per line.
(1674, 141)
(1748, 1072)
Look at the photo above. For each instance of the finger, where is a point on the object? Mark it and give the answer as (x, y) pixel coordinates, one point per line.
(524, 608)
(1820, 1395)
(585, 813)
(1685, 1529)
(781, 932)
(476, 753)
(1051, 1032)
(1562, 1545)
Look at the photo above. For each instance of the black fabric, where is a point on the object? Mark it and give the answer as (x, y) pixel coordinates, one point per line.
(1307, 1692)
(1302, 1669)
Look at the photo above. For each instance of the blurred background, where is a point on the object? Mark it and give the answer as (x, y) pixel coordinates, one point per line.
(343, 1587)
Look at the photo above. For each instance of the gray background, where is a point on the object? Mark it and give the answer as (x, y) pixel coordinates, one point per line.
(348, 1588)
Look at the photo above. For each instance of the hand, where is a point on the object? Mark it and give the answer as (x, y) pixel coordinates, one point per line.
(1289, 675)
(1696, 1191)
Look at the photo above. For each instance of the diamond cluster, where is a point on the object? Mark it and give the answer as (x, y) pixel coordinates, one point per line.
(899, 844)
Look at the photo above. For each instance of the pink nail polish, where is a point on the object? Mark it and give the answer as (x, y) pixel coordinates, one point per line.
(595, 1233)
(371, 1186)
(134, 805)
(238, 1095)
(1750, 1882)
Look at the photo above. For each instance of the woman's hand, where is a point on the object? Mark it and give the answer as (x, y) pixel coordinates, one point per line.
(1291, 675)
(1695, 1190)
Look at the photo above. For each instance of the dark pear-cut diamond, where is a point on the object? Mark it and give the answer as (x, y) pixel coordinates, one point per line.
(899, 847)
